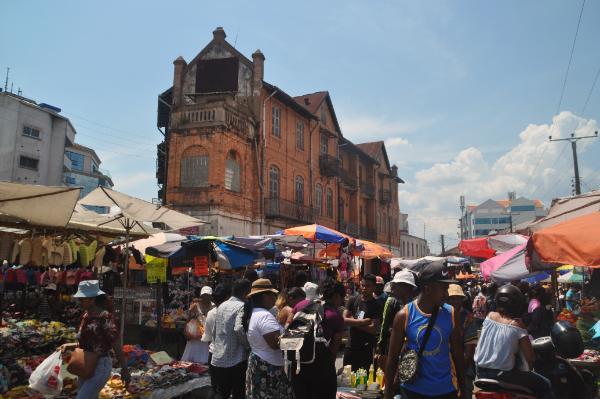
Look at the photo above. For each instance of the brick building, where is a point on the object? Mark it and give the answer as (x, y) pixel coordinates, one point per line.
(246, 156)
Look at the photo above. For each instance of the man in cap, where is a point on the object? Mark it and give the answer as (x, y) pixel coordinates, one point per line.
(402, 288)
(363, 315)
(444, 340)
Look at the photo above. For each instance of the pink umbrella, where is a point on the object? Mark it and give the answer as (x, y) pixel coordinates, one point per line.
(508, 266)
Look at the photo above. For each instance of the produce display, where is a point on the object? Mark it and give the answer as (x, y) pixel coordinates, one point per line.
(567, 315)
(590, 355)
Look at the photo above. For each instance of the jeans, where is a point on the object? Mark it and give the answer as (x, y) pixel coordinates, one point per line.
(90, 388)
(539, 384)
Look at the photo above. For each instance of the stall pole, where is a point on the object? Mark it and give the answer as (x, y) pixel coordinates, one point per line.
(554, 280)
(127, 226)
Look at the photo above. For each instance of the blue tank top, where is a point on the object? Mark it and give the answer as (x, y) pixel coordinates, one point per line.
(435, 375)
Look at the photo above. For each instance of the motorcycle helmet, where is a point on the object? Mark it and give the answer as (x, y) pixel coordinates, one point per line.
(566, 339)
(510, 300)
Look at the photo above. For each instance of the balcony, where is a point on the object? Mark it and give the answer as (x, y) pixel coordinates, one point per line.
(385, 196)
(368, 233)
(367, 189)
(329, 165)
(348, 178)
(279, 208)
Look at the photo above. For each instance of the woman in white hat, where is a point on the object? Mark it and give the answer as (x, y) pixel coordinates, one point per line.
(98, 334)
(265, 378)
(196, 351)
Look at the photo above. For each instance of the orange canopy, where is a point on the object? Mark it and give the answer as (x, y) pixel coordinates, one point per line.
(575, 242)
(372, 250)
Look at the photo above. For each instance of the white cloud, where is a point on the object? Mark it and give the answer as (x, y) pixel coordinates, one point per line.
(377, 128)
(396, 142)
(532, 168)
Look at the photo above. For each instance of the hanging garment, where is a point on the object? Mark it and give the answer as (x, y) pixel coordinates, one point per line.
(25, 251)
(16, 249)
(99, 258)
(6, 244)
(36, 251)
(74, 250)
(67, 254)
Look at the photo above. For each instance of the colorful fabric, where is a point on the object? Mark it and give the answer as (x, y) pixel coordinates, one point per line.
(98, 333)
(480, 307)
(265, 381)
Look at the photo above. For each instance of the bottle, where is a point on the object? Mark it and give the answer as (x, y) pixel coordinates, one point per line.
(380, 377)
(371, 375)
(353, 379)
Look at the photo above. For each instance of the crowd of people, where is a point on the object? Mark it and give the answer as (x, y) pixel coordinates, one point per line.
(455, 330)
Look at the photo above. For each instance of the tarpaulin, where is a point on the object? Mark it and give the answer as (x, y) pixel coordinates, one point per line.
(509, 266)
(477, 248)
(568, 208)
(573, 242)
(233, 257)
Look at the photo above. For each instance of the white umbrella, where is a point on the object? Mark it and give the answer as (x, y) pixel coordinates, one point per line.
(134, 212)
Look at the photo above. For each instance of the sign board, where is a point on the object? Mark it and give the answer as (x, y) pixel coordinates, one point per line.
(190, 231)
(156, 269)
(201, 266)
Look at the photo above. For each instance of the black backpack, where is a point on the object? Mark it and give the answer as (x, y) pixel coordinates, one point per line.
(298, 341)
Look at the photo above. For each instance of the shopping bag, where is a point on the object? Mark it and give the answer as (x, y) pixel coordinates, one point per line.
(46, 378)
(194, 329)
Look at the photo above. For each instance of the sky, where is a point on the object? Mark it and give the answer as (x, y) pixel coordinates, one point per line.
(464, 93)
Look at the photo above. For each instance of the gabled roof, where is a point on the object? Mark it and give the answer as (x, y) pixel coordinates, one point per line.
(288, 100)
(227, 46)
(345, 142)
(373, 148)
(313, 101)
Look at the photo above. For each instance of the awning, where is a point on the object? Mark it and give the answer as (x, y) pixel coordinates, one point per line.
(372, 250)
(567, 208)
(477, 248)
(316, 232)
(43, 206)
(575, 242)
(508, 266)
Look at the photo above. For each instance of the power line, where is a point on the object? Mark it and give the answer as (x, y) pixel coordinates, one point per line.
(538, 186)
(103, 125)
(564, 85)
(591, 91)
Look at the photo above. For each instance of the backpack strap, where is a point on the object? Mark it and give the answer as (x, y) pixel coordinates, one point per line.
(430, 325)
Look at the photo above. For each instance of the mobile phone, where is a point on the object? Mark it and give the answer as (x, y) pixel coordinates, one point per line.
(361, 315)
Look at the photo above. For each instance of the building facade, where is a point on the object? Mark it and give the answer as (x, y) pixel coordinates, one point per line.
(413, 247)
(249, 158)
(498, 216)
(33, 138)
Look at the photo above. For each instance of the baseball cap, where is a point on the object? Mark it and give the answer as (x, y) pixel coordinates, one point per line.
(455, 290)
(435, 271)
(379, 280)
(206, 290)
(404, 277)
(311, 290)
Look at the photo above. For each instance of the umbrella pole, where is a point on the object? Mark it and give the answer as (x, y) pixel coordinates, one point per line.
(126, 272)
(554, 280)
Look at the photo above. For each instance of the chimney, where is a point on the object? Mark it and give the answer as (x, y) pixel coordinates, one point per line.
(258, 72)
(394, 171)
(219, 34)
(306, 101)
(180, 65)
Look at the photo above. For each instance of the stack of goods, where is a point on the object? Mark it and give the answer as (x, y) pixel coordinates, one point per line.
(567, 315)
(590, 355)
(361, 380)
(590, 306)
(144, 382)
(135, 356)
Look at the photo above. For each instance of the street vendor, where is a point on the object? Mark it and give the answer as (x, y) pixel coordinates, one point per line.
(98, 334)
(196, 351)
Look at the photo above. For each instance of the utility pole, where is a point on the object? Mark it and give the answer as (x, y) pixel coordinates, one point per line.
(462, 216)
(443, 245)
(573, 140)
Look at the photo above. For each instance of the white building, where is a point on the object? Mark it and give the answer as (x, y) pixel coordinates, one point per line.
(33, 138)
(413, 247)
(497, 216)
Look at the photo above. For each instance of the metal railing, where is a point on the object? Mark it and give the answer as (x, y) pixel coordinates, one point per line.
(279, 208)
(367, 189)
(348, 178)
(329, 165)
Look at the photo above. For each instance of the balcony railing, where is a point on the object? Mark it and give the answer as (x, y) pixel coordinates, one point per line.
(329, 165)
(368, 233)
(279, 208)
(348, 178)
(385, 196)
(368, 189)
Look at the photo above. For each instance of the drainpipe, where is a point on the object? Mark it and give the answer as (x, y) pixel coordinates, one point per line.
(310, 169)
(261, 182)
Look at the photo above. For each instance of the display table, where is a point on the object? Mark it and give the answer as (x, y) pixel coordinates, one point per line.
(353, 393)
(178, 390)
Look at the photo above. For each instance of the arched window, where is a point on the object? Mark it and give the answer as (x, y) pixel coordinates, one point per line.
(329, 201)
(233, 179)
(319, 199)
(299, 190)
(194, 167)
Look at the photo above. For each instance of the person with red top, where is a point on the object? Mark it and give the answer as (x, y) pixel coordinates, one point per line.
(98, 333)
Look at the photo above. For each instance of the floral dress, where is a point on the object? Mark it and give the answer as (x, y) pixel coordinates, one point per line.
(98, 333)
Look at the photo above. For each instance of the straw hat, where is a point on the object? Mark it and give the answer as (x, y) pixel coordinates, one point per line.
(455, 290)
(262, 285)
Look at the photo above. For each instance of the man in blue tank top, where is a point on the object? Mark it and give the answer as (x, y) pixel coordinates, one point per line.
(436, 377)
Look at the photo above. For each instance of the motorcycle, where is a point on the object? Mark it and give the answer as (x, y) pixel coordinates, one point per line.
(551, 353)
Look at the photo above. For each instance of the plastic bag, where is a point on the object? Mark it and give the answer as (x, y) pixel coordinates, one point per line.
(47, 378)
(194, 329)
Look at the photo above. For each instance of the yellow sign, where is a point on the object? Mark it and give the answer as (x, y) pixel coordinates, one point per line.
(156, 269)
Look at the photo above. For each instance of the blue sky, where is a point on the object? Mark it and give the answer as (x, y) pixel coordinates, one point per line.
(463, 92)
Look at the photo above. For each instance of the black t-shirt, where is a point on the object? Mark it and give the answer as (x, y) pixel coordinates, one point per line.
(372, 310)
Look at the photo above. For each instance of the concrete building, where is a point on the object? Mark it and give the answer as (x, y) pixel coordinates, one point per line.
(33, 138)
(413, 247)
(85, 172)
(497, 216)
(249, 158)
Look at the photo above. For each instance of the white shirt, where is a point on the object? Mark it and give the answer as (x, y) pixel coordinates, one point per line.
(209, 328)
(263, 322)
(229, 340)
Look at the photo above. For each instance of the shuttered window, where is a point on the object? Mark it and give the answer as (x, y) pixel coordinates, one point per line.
(274, 182)
(299, 190)
(319, 199)
(276, 122)
(329, 201)
(300, 135)
(232, 174)
(194, 171)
